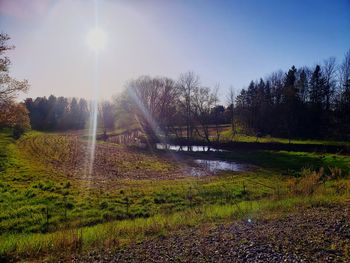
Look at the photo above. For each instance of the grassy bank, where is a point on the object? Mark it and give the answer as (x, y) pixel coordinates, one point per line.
(226, 135)
(289, 162)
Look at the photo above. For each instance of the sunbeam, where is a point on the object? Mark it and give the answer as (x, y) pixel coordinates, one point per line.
(157, 131)
(96, 39)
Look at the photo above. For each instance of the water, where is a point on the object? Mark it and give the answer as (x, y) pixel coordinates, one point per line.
(201, 167)
(194, 148)
(218, 165)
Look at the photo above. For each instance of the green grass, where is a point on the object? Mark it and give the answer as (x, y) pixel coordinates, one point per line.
(117, 234)
(285, 162)
(36, 198)
(227, 135)
(42, 212)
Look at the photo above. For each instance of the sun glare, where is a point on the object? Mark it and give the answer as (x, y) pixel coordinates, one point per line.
(96, 39)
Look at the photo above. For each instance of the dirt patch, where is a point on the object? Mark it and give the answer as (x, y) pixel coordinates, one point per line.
(69, 155)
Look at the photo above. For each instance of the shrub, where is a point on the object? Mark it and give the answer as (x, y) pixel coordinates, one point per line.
(335, 172)
(308, 183)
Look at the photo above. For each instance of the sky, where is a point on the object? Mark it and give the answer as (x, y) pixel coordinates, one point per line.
(228, 43)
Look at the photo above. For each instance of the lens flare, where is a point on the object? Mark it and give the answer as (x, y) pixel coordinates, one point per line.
(96, 39)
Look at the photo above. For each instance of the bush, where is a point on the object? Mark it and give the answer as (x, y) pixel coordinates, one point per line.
(17, 132)
(14, 115)
(308, 183)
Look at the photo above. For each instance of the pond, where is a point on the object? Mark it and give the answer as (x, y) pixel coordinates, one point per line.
(201, 167)
(193, 148)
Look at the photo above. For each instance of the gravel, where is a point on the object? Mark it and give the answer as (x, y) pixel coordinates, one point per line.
(308, 235)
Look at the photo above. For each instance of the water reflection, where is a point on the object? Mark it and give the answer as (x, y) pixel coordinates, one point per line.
(201, 167)
(217, 165)
(193, 148)
(205, 167)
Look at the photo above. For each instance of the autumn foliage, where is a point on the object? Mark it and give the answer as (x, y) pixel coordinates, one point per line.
(12, 114)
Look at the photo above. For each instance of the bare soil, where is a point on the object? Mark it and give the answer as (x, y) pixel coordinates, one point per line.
(70, 155)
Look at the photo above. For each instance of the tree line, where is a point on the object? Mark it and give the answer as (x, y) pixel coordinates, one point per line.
(52, 113)
(306, 102)
(62, 114)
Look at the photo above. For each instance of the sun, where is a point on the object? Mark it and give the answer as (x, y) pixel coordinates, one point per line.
(96, 39)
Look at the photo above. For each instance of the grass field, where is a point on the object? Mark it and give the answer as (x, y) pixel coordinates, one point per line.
(49, 206)
(226, 134)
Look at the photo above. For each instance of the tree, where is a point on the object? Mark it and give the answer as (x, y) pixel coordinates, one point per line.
(317, 87)
(107, 116)
(57, 113)
(254, 97)
(231, 104)
(317, 91)
(242, 109)
(9, 87)
(73, 114)
(11, 113)
(188, 84)
(51, 119)
(202, 103)
(151, 103)
(217, 111)
(342, 111)
(344, 73)
(302, 85)
(83, 113)
(168, 109)
(15, 116)
(291, 102)
(61, 111)
(329, 71)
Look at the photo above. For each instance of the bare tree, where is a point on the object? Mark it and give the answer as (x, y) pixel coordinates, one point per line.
(276, 80)
(329, 70)
(344, 78)
(216, 117)
(9, 87)
(188, 84)
(231, 104)
(203, 101)
(169, 94)
(152, 103)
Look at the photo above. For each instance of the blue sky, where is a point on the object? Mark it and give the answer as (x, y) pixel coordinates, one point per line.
(226, 42)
